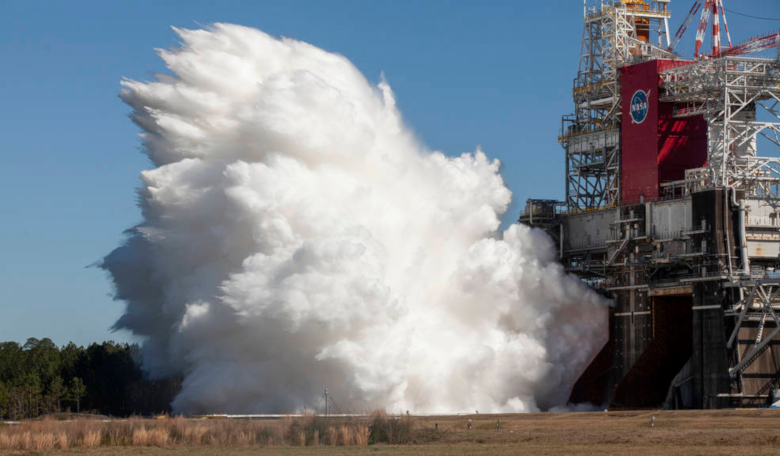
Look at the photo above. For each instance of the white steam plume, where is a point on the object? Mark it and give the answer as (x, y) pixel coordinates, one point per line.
(296, 236)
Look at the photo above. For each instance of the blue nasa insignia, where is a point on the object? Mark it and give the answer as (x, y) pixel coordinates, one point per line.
(639, 106)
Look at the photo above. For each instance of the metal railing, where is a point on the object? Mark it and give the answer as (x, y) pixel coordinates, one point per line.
(585, 244)
(619, 283)
(693, 250)
(678, 251)
(683, 279)
(695, 228)
(762, 222)
(669, 235)
(639, 10)
(668, 282)
(631, 234)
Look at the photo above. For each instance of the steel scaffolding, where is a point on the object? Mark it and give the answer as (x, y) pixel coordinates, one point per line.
(591, 136)
(704, 256)
(731, 93)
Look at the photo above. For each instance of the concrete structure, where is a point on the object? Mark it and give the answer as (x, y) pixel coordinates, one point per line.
(670, 212)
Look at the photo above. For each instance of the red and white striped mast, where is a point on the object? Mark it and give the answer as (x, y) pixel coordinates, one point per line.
(725, 25)
(715, 9)
(715, 29)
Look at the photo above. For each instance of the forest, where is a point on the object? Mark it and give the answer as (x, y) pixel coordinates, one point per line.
(39, 378)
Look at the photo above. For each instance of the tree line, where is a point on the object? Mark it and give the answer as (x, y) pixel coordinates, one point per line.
(39, 378)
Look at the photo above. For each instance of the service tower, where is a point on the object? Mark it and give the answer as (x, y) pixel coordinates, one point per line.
(670, 210)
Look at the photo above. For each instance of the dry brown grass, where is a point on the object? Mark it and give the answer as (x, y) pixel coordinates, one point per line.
(49, 435)
(689, 432)
(62, 441)
(91, 439)
(193, 435)
(140, 437)
(332, 436)
(44, 441)
(361, 435)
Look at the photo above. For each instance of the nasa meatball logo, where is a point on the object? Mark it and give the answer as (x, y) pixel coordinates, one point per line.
(639, 106)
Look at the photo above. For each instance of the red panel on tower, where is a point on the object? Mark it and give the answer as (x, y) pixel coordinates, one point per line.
(682, 144)
(656, 148)
(639, 165)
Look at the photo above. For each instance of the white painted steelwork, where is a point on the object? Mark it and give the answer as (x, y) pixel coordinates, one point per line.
(591, 136)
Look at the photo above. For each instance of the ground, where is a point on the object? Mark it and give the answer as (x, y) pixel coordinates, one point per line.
(688, 432)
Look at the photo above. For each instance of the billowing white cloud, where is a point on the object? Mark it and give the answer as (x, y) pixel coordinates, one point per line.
(296, 236)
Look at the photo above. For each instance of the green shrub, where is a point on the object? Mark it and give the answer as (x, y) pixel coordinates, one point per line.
(390, 429)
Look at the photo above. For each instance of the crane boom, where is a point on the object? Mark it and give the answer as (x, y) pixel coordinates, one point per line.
(688, 19)
(702, 30)
(756, 44)
(715, 9)
(725, 23)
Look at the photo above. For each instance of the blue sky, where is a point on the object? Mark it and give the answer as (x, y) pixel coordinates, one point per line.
(496, 74)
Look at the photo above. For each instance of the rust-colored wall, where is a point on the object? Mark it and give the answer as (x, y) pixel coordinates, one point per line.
(760, 376)
(647, 382)
(595, 383)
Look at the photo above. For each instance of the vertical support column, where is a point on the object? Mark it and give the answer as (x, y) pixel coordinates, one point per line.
(715, 28)
(710, 356)
(666, 31)
(743, 239)
(634, 347)
(724, 141)
(560, 240)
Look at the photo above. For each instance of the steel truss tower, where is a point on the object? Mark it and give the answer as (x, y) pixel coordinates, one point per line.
(731, 93)
(680, 228)
(614, 34)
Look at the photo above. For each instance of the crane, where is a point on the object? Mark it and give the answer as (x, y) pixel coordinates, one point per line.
(755, 44)
(715, 9)
(688, 19)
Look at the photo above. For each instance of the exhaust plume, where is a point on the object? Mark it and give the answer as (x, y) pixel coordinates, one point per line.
(297, 236)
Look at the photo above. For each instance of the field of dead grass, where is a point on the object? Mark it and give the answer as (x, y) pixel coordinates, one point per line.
(179, 432)
(688, 432)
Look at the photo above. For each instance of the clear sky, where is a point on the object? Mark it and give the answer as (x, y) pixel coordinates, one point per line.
(494, 73)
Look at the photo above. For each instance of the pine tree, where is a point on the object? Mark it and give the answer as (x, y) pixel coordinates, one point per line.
(77, 391)
(57, 391)
(3, 400)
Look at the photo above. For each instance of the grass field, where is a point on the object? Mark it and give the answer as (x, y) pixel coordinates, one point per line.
(688, 432)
